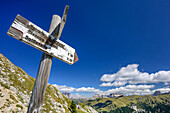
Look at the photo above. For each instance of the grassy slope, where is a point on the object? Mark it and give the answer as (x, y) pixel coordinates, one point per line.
(14, 75)
(26, 86)
(107, 104)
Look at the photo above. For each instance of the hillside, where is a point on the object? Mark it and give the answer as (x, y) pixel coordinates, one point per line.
(146, 102)
(16, 87)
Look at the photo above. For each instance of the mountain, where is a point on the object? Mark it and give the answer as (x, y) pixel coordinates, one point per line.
(153, 104)
(16, 87)
(156, 93)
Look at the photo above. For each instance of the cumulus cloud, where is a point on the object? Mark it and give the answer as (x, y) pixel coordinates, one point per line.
(88, 89)
(127, 90)
(108, 77)
(117, 83)
(64, 88)
(133, 90)
(126, 79)
(130, 74)
(162, 90)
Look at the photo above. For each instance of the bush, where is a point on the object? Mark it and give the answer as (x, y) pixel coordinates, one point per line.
(19, 106)
(13, 98)
(73, 107)
(4, 85)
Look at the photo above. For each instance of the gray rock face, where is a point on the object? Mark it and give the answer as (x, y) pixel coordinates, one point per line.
(156, 93)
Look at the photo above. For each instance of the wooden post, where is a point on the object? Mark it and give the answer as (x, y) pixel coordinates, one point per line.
(38, 92)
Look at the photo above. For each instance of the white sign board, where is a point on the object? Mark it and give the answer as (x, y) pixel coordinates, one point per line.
(29, 33)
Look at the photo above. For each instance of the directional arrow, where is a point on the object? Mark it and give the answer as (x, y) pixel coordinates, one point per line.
(29, 33)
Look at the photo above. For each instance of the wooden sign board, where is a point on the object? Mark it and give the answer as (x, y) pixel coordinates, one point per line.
(29, 33)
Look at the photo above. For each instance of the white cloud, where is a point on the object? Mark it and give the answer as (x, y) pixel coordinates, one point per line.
(127, 90)
(108, 78)
(81, 96)
(166, 83)
(133, 90)
(139, 87)
(76, 95)
(126, 75)
(64, 88)
(106, 84)
(88, 89)
(117, 83)
(162, 90)
(130, 74)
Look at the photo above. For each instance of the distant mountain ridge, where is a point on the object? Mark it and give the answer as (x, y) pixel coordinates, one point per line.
(156, 93)
(147, 103)
(16, 87)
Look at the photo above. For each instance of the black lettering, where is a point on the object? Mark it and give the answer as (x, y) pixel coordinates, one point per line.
(26, 37)
(32, 27)
(36, 36)
(60, 45)
(34, 41)
(29, 32)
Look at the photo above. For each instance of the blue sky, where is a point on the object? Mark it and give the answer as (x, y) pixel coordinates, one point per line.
(107, 35)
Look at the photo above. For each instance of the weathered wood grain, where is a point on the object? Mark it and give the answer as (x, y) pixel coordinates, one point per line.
(63, 21)
(38, 92)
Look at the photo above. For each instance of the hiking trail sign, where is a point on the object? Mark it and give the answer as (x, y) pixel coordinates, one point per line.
(29, 33)
(49, 43)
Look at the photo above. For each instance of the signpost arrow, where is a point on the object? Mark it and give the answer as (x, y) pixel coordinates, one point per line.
(49, 43)
(29, 33)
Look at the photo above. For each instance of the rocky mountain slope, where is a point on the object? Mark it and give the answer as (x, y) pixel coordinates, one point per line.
(147, 103)
(16, 87)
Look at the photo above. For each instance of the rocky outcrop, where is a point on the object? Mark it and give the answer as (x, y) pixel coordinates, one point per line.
(9, 102)
(156, 93)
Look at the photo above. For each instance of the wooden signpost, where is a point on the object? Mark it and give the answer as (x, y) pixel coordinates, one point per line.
(49, 43)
